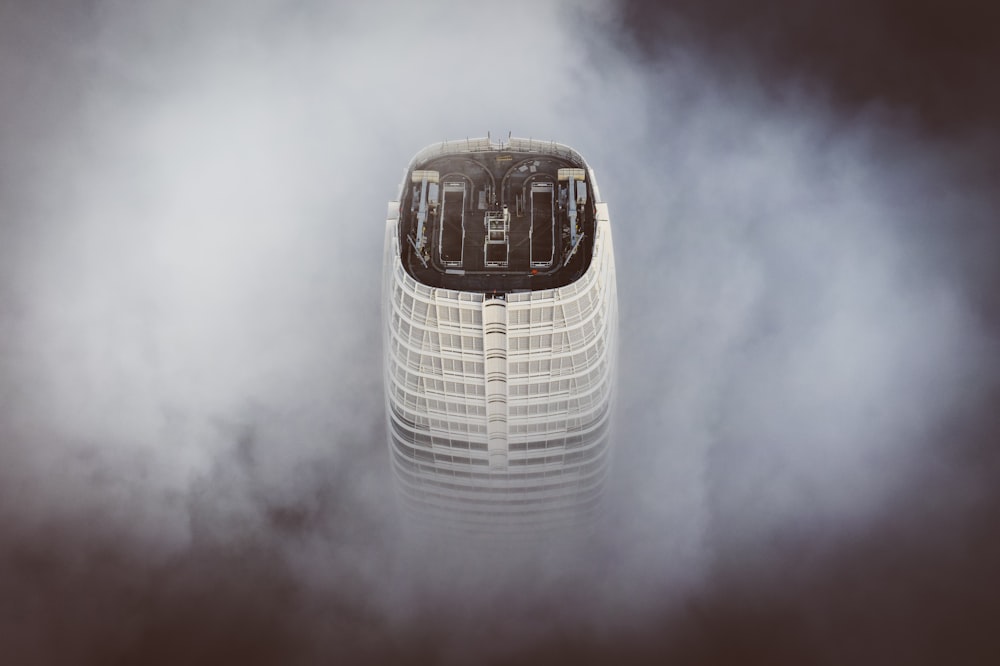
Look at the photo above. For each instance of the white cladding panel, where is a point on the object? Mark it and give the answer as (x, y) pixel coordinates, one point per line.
(499, 409)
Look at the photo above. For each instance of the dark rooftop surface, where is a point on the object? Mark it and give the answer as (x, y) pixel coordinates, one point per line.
(497, 221)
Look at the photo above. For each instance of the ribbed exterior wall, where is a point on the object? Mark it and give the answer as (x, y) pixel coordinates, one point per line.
(498, 408)
(495, 353)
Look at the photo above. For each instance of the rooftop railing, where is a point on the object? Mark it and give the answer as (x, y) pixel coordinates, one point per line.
(485, 144)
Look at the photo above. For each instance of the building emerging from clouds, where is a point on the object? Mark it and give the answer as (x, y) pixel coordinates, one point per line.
(500, 316)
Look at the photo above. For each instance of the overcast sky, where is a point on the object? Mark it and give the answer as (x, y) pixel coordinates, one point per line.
(193, 459)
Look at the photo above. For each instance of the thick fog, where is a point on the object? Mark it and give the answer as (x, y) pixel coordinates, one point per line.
(193, 458)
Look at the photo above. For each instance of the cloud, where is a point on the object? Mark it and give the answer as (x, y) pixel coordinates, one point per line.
(193, 444)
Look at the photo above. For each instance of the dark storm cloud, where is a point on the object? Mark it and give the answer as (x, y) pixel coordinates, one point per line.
(193, 457)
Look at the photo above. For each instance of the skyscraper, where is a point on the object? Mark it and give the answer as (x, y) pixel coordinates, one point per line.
(500, 328)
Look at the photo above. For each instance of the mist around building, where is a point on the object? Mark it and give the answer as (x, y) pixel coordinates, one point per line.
(193, 460)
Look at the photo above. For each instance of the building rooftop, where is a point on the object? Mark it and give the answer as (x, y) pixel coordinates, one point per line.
(497, 217)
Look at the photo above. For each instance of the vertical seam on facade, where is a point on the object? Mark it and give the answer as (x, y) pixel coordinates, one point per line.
(495, 367)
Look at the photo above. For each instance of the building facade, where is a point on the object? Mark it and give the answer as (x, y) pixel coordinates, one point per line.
(500, 333)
